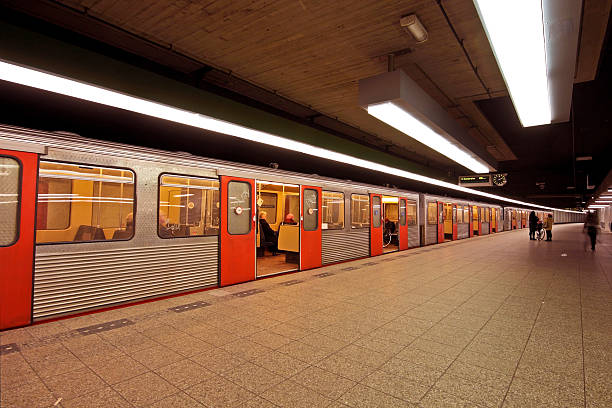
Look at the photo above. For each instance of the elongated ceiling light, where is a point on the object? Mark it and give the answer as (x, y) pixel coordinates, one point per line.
(516, 32)
(394, 98)
(64, 86)
(403, 121)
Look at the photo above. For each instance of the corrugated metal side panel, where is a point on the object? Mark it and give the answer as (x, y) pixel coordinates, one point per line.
(70, 282)
(344, 245)
(413, 236)
(431, 234)
(484, 229)
(463, 231)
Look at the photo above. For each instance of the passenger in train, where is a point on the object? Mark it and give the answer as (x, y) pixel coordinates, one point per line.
(533, 225)
(389, 226)
(548, 224)
(163, 230)
(267, 233)
(129, 228)
(289, 219)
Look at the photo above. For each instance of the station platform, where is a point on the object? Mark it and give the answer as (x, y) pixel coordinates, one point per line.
(486, 322)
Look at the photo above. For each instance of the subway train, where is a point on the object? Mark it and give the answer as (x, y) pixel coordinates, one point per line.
(89, 224)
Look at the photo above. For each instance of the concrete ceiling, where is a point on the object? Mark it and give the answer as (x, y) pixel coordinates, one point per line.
(303, 59)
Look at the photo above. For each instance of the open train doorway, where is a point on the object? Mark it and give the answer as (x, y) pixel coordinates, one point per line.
(391, 224)
(278, 229)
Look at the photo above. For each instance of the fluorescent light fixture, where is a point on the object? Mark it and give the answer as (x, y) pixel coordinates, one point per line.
(598, 206)
(603, 201)
(516, 32)
(395, 116)
(64, 86)
(584, 158)
(394, 98)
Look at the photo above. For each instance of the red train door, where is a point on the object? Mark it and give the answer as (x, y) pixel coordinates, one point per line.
(403, 225)
(454, 222)
(470, 221)
(440, 222)
(376, 225)
(237, 230)
(18, 180)
(310, 228)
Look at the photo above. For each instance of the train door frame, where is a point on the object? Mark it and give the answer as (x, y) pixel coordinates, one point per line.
(311, 240)
(18, 256)
(478, 226)
(455, 226)
(235, 263)
(470, 222)
(376, 233)
(403, 229)
(440, 206)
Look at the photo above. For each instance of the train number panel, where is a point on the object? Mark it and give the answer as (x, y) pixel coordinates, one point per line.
(238, 229)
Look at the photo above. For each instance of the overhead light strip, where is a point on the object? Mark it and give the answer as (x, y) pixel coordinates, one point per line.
(516, 33)
(69, 87)
(403, 121)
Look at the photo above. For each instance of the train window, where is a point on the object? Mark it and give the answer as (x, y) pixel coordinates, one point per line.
(188, 207)
(454, 214)
(311, 209)
(332, 210)
(459, 214)
(375, 211)
(402, 212)
(411, 213)
(432, 213)
(360, 211)
(78, 202)
(267, 202)
(239, 208)
(466, 214)
(10, 175)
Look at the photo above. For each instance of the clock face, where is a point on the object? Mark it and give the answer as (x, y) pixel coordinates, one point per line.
(499, 179)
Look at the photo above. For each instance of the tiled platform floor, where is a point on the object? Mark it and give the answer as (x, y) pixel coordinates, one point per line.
(493, 321)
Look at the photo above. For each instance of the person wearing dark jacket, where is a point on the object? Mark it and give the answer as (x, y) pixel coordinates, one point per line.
(268, 234)
(533, 225)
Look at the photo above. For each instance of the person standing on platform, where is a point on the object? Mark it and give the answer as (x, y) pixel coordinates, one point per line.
(591, 225)
(548, 223)
(533, 225)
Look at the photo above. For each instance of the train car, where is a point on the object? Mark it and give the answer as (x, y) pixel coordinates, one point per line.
(445, 218)
(91, 224)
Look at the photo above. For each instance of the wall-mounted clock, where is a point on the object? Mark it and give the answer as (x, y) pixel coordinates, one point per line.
(499, 179)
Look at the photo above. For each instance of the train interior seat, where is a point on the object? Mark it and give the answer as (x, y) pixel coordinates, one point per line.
(89, 233)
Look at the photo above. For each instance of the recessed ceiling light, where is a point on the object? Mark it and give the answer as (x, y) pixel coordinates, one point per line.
(516, 32)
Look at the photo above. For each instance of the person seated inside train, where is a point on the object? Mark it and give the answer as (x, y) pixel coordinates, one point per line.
(162, 228)
(267, 234)
(129, 228)
(290, 219)
(389, 226)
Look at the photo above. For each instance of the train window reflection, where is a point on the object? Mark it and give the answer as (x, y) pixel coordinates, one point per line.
(432, 213)
(78, 202)
(411, 212)
(10, 170)
(239, 207)
(402, 212)
(332, 210)
(360, 211)
(376, 210)
(311, 209)
(188, 207)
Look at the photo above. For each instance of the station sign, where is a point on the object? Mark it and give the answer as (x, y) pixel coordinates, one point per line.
(476, 180)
